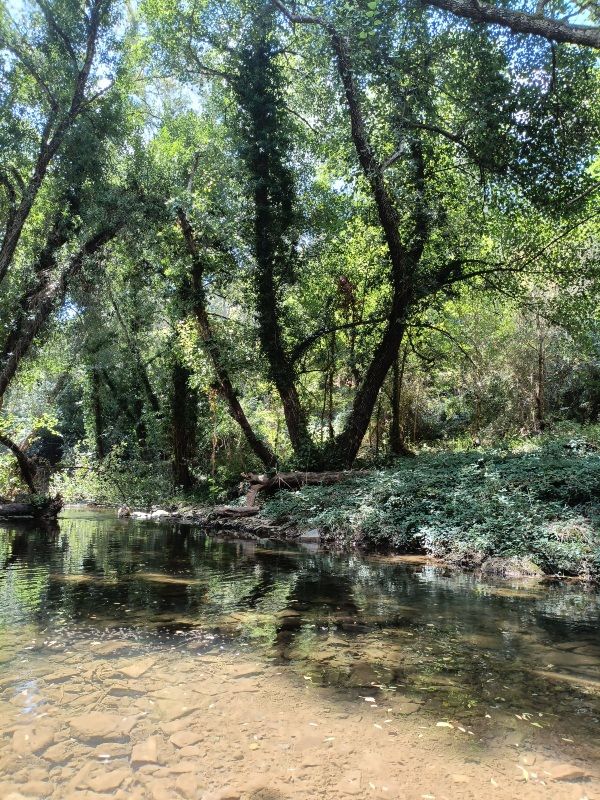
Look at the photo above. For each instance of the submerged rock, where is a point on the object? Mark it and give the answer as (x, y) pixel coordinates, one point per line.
(108, 781)
(567, 772)
(101, 725)
(312, 536)
(32, 739)
(514, 567)
(185, 738)
(145, 752)
(187, 785)
(137, 668)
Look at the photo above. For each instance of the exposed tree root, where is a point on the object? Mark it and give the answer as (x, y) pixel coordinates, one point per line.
(289, 480)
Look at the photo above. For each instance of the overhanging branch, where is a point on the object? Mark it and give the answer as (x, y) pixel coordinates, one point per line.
(521, 22)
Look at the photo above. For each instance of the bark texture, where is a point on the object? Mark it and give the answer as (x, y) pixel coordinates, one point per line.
(520, 22)
(211, 345)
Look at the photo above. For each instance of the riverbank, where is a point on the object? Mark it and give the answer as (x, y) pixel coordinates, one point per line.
(539, 510)
(502, 513)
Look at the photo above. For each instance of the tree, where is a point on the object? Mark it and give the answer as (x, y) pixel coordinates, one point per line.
(54, 68)
(502, 142)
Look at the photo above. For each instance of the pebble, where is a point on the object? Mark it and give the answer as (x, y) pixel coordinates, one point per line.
(185, 738)
(145, 752)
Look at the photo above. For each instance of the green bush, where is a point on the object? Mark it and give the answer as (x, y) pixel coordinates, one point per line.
(543, 504)
(113, 481)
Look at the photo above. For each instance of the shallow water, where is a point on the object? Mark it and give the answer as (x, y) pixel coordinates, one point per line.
(97, 613)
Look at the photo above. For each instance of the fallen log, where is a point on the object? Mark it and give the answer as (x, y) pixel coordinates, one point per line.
(16, 510)
(289, 480)
(30, 510)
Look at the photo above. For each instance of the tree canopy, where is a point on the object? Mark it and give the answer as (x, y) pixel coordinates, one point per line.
(242, 235)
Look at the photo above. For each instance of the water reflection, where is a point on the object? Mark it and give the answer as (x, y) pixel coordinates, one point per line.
(443, 642)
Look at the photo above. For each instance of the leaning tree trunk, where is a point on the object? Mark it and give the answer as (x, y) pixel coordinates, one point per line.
(52, 138)
(26, 466)
(212, 348)
(41, 305)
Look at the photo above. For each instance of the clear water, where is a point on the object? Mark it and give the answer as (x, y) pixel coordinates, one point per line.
(523, 654)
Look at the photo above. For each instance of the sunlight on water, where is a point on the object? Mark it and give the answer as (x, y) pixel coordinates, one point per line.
(108, 623)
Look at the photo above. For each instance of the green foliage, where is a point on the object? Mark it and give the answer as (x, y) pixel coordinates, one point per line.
(114, 481)
(544, 504)
(487, 149)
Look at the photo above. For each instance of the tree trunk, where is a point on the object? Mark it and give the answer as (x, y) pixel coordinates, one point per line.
(213, 351)
(27, 467)
(266, 154)
(48, 509)
(556, 30)
(183, 426)
(271, 336)
(97, 413)
(404, 259)
(538, 410)
(41, 305)
(397, 445)
(347, 444)
(289, 480)
(51, 140)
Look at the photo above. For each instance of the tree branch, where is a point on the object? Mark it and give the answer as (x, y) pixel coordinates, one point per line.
(522, 22)
(303, 346)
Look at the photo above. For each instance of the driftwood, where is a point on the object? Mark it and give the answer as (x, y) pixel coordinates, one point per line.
(288, 480)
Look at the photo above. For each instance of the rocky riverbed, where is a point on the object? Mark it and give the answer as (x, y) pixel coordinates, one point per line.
(109, 720)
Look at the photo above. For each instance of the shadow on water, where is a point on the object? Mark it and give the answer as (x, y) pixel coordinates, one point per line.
(447, 643)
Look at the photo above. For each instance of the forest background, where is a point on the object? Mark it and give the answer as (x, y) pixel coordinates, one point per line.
(240, 236)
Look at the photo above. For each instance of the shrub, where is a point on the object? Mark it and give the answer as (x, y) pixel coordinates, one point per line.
(543, 504)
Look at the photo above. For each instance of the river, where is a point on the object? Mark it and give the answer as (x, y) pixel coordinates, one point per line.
(145, 660)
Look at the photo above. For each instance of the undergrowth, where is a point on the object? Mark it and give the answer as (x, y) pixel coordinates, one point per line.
(543, 504)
